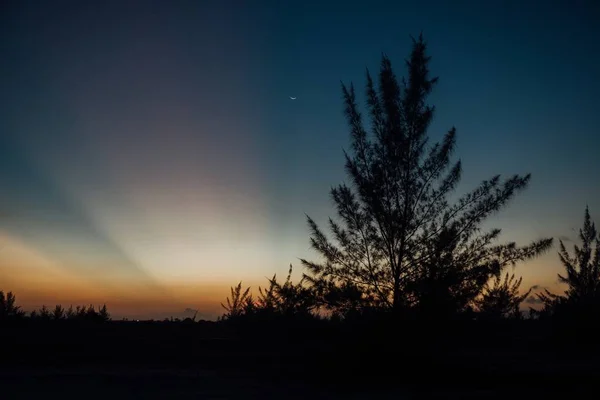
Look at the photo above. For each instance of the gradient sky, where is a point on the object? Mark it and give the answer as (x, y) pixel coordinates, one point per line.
(150, 156)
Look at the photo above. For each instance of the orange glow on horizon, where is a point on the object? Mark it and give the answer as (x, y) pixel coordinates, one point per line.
(38, 281)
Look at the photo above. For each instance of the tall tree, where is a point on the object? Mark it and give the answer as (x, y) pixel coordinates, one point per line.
(399, 242)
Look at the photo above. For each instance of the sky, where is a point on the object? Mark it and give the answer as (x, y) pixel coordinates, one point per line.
(150, 155)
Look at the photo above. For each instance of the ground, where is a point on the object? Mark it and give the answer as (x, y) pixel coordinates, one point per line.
(178, 361)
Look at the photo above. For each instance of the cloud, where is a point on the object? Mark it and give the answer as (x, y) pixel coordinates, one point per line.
(564, 238)
(190, 310)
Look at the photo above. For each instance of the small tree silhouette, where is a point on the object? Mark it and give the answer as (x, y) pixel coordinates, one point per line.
(267, 298)
(288, 298)
(8, 308)
(58, 313)
(80, 312)
(70, 313)
(44, 314)
(501, 299)
(278, 299)
(582, 274)
(103, 314)
(90, 313)
(239, 303)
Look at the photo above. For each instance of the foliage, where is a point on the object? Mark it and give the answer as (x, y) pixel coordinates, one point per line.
(502, 298)
(10, 311)
(80, 313)
(58, 313)
(44, 313)
(277, 299)
(103, 314)
(400, 243)
(582, 274)
(8, 308)
(240, 302)
(287, 298)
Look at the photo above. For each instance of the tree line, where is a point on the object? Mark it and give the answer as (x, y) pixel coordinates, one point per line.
(11, 312)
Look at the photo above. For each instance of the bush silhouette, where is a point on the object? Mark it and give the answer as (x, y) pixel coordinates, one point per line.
(9, 311)
(240, 303)
(501, 299)
(287, 299)
(276, 300)
(58, 313)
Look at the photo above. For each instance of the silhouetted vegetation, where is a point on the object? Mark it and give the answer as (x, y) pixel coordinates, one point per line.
(501, 299)
(8, 308)
(401, 245)
(10, 312)
(239, 304)
(581, 300)
(276, 301)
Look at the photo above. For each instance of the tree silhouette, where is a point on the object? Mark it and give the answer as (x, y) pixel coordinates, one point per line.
(90, 313)
(287, 298)
(240, 302)
(582, 273)
(103, 314)
(58, 313)
(8, 308)
(70, 313)
(281, 299)
(401, 243)
(502, 298)
(267, 300)
(44, 314)
(80, 312)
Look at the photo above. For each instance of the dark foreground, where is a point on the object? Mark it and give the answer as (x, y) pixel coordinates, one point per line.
(157, 383)
(208, 361)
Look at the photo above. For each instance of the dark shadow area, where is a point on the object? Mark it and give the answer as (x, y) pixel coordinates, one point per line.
(298, 358)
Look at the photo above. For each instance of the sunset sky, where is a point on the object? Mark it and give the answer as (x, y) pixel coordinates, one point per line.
(150, 156)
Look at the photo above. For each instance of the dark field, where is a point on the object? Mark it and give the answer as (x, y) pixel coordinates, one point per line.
(209, 361)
